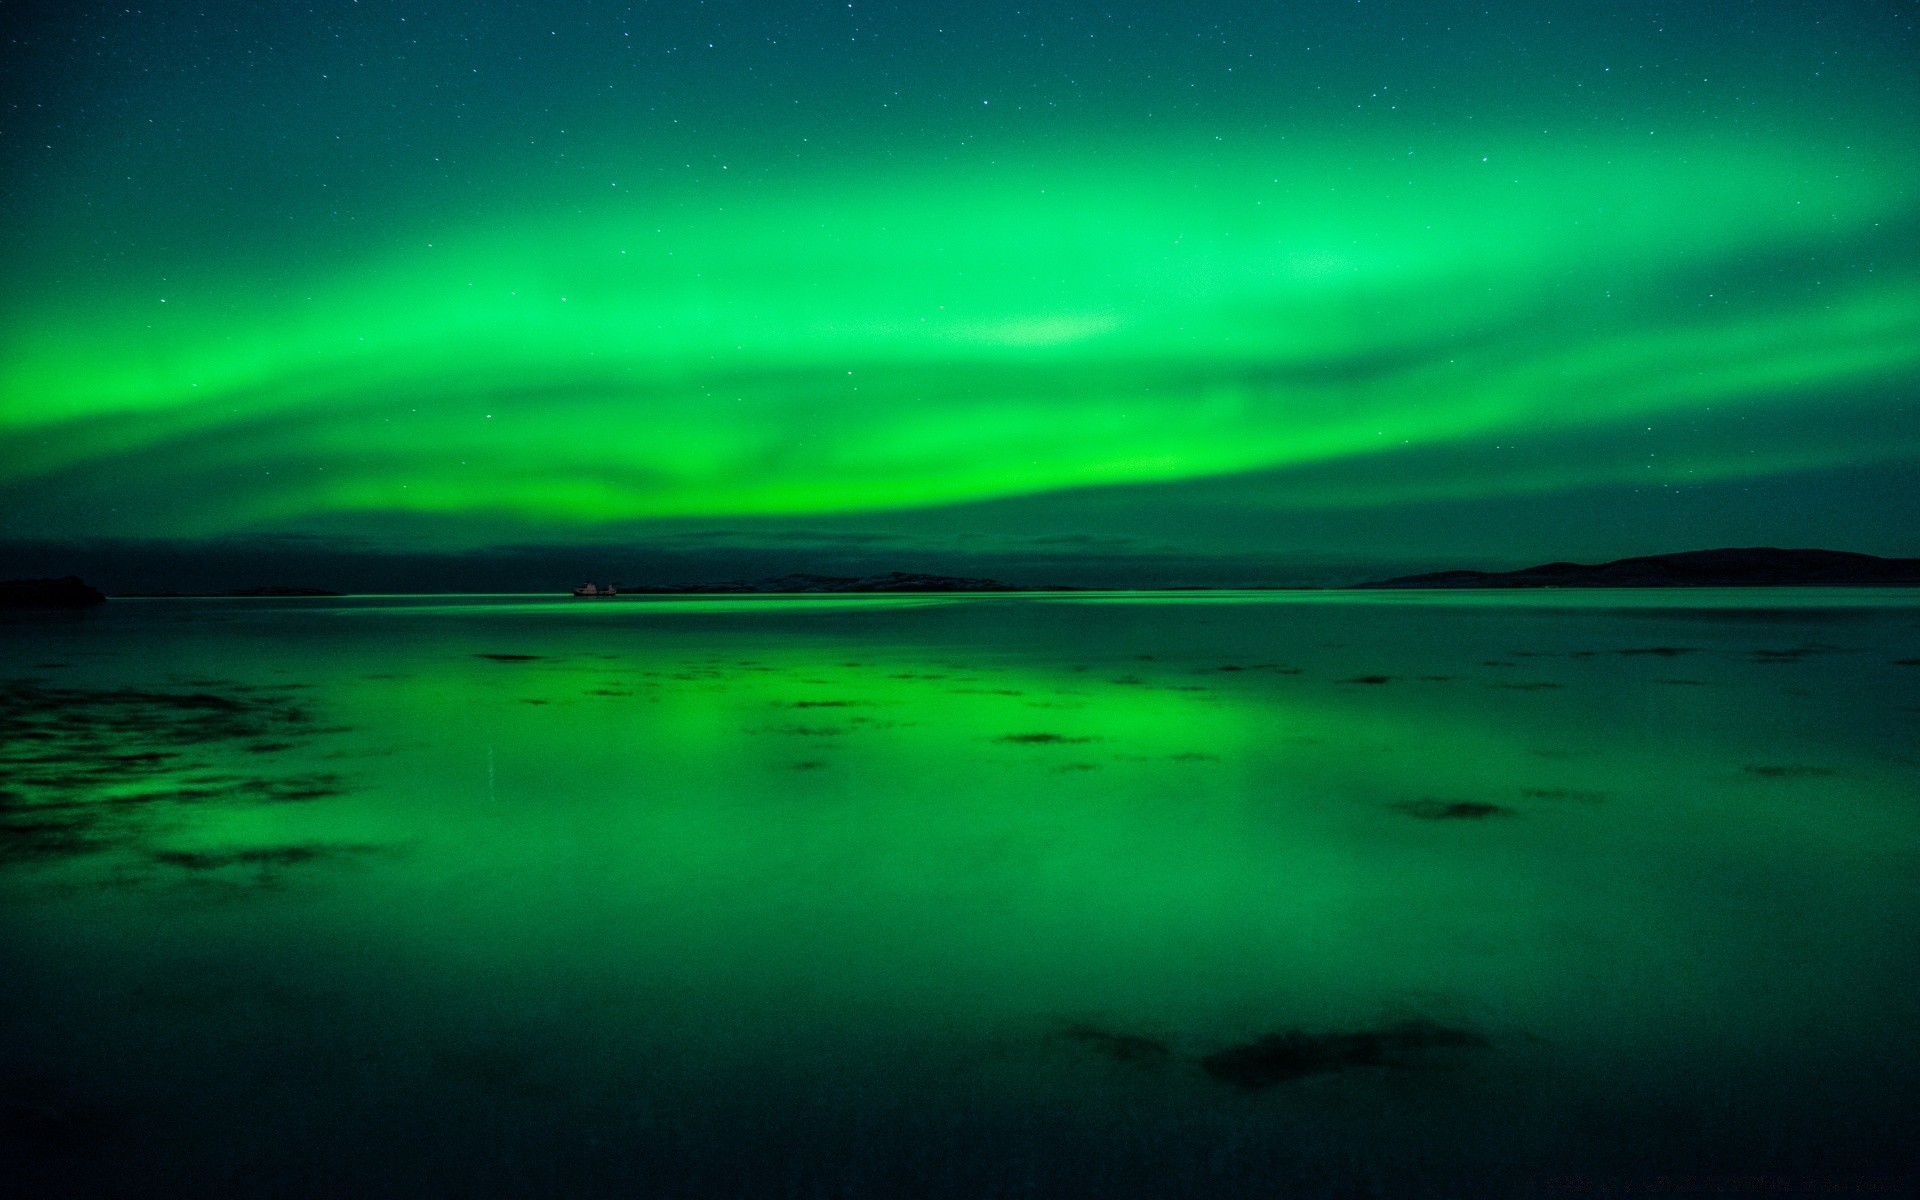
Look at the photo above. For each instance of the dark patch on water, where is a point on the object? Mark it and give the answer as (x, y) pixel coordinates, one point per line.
(1194, 756)
(511, 657)
(1792, 654)
(1294, 1054)
(1452, 810)
(1788, 771)
(259, 856)
(811, 764)
(105, 761)
(825, 704)
(1372, 679)
(1906, 662)
(150, 757)
(1077, 766)
(1683, 682)
(1041, 739)
(607, 692)
(1132, 1049)
(530, 700)
(1436, 678)
(293, 789)
(28, 841)
(1589, 797)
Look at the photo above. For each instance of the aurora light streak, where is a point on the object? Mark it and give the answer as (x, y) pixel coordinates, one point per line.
(1293, 301)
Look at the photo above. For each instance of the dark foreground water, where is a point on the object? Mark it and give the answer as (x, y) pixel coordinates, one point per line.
(1212, 896)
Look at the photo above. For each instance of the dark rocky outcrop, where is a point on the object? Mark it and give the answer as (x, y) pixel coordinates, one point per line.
(1292, 1054)
(69, 592)
(1752, 567)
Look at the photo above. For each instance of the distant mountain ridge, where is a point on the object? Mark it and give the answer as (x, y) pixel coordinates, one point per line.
(1758, 566)
(270, 591)
(892, 581)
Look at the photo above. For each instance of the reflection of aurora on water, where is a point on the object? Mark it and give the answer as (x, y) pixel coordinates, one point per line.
(1103, 884)
(918, 338)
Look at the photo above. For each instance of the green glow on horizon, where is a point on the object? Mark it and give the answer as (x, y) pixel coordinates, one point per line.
(894, 341)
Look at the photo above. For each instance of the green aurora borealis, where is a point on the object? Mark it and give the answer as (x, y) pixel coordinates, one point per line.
(1479, 258)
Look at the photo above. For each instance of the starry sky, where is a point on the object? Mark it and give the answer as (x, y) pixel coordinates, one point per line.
(484, 294)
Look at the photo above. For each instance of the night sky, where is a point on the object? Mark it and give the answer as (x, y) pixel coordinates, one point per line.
(482, 294)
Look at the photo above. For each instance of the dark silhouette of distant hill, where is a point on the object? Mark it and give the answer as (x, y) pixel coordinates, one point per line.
(69, 592)
(1758, 566)
(893, 581)
(270, 591)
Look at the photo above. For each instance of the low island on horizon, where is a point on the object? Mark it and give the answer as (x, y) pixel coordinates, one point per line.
(1753, 566)
(806, 584)
(1758, 566)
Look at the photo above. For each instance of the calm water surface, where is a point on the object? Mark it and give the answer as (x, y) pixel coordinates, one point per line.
(1210, 895)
